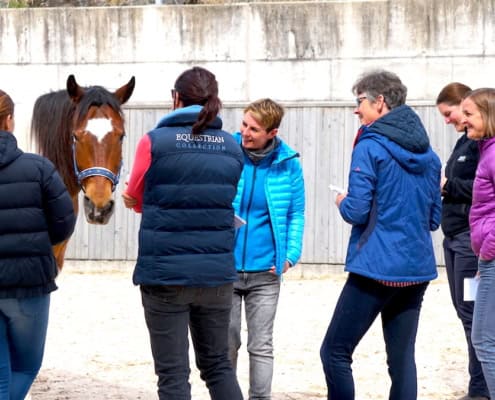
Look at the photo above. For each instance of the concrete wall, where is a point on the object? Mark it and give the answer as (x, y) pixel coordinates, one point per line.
(297, 51)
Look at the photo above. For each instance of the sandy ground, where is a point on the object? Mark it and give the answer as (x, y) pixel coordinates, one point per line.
(97, 346)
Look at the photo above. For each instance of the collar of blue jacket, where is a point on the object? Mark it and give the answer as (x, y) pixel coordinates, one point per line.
(282, 152)
(186, 116)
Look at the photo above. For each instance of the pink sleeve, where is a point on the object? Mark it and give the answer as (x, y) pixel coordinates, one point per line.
(142, 162)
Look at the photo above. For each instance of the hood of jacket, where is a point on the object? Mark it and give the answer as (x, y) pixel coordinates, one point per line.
(8, 148)
(186, 116)
(402, 133)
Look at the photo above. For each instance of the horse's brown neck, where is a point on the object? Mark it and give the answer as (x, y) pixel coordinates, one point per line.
(59, 249)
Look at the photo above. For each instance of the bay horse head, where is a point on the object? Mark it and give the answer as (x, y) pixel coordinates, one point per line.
(80, 130)
(97, 133)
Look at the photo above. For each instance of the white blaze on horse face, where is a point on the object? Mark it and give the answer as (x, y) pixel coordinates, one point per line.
(99, 127)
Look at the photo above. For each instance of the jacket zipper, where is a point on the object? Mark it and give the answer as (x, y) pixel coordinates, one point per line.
(247, 218)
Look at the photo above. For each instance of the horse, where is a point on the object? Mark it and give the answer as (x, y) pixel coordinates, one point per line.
(81, 130)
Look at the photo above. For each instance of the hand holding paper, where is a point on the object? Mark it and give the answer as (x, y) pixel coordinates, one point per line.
(340, 193)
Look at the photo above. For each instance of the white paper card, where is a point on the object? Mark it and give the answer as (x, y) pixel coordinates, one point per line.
(238, 221)
(470, 288)
(336, 189)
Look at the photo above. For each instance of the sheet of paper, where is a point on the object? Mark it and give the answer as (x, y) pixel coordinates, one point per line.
(336, 188)
(470, 288)
(238, 221)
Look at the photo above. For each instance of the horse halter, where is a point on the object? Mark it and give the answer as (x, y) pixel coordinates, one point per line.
(94, 171)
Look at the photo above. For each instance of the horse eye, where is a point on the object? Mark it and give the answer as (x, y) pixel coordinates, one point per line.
(122, 138)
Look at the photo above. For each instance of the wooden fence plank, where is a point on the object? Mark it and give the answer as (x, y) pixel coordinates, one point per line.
(322, 133)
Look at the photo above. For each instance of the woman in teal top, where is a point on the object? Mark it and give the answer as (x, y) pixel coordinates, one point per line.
(270, 197)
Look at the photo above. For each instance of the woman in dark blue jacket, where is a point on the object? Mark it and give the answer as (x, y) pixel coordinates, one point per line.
(457, 192)
(184, 180)
(393, 203)
(36, 212)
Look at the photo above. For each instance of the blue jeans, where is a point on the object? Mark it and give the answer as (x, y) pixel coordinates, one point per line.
(169, 311)
(23, 326)
(483, 334)
(260, 292)
(360, 302)
(460, 263)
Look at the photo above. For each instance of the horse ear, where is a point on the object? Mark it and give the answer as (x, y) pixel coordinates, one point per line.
(124, 93)
(75, 91)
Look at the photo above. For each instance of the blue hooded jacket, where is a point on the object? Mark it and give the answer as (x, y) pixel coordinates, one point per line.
(186, 236)
(393, 200)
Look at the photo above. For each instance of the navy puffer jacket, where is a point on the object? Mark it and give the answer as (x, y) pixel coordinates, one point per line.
(36, 212)
(186, 236)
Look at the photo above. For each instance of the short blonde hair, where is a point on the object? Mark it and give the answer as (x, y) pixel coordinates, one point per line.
(266, 112)
(484, 99)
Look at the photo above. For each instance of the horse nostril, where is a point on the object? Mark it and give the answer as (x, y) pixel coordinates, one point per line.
(98, 215)
(109, 206)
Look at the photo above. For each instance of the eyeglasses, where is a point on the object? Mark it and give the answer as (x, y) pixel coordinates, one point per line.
(360, 99)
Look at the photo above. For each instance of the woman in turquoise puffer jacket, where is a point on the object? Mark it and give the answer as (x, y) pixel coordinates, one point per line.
(270, 197)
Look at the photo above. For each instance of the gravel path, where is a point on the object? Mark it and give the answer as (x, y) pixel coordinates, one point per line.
(98, 345)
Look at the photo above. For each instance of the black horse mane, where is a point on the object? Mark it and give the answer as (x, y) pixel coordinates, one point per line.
(52, 125)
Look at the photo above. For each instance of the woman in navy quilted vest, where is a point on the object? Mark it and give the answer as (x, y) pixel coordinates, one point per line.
(478, 109)
(184, 180)
(36, 212)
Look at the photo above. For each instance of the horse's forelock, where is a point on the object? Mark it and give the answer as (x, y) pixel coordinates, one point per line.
(96, 96)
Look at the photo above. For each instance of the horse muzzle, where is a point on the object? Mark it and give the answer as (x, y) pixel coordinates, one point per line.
(98, 215)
